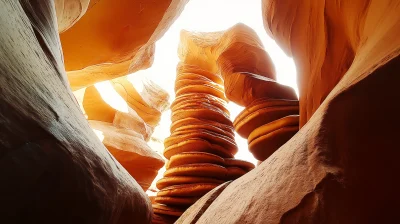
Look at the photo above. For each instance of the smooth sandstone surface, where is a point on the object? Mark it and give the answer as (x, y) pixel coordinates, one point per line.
(69, 12)
(246, 125)
(194, 157)
(325, 39)
(239, 56)
(53, 167)
(339, 167)
(112, 40)
(177, 180)
(130, 149)
(195, 211)
(133, 121)
(147, 100)
(196, 145)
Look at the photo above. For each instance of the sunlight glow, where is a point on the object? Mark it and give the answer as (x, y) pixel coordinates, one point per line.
(111, 96)
(99, 134)
(211, 16)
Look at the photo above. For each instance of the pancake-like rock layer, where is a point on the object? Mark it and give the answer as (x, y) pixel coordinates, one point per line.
(341, 166)
(239, 56)
(268, 124)
(202, 143)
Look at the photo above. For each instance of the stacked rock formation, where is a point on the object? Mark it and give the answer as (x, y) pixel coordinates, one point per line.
(347, 55)
(54, 169)
(201, 147)
(124, 118)
(270, 117)
(268, 124)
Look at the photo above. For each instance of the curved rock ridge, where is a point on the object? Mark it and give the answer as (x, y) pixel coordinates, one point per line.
(112, 40)
(131, 150)
(53, 168)
(141, 97)
(126, 110)
(339, 167)
(239, 56)
(324, 40)
(69, 12)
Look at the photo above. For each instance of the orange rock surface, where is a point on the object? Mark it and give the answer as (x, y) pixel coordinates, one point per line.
(53, 168)
(239, 56)
(130, 149)
(201, 138)
(113, 38)
(148, 102)
(323, 45)
(341, 166)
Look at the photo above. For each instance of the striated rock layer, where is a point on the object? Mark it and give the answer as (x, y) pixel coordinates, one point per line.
(239, 56)
(114, 39)
(248, 79)
(53, 168)
(340, 167)
(201, 146)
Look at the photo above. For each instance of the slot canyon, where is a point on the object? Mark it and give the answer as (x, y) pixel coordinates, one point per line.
(199, 111)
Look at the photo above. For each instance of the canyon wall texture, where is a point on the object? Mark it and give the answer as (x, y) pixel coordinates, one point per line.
(340, 166)
(54, 169)
(115, 38)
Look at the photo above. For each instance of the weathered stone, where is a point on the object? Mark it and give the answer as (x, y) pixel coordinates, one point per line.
(201, 137)
(266, 139)
(132, 121)
(69, 12)
(340, 167)
(248, 74)
(148, 102)
(111, 40)
(193, 213)
(53, 168)
(130, 149)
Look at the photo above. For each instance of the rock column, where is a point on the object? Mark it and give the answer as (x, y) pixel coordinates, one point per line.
(201, 146)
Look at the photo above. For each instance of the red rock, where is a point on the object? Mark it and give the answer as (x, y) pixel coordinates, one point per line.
(176, 201)
(196, 210)
(258, 115)
(266, 139)
(187, 190)
(243, 88)
(196, 145)
(178, 180)
(194, 157)
(198, 170)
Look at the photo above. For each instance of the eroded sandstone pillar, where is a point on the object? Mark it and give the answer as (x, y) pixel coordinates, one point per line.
(201, 147)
